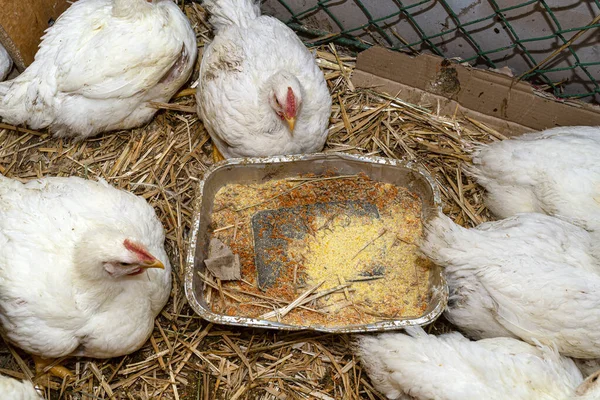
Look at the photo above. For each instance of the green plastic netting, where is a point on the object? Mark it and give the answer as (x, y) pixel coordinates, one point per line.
(565, 45)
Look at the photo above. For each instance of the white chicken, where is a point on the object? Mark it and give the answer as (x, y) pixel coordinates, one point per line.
(12, 389)
(530, 276)
(83, 270)
(451, 367)
(99, 67)
(556, 172)
(261, 92)
(5, 63)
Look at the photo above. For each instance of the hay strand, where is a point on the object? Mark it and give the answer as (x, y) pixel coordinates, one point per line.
(186, 357)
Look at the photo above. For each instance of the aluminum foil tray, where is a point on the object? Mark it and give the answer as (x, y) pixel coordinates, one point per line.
(256, 170)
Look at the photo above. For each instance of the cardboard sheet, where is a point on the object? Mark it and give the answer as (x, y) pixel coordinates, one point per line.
(495, 99)
(22, 25)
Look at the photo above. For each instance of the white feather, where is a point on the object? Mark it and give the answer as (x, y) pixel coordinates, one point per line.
(5, 63)
(556, 172)
(530, 276)
(57, 299)
(237, 78)
(12, 389)
(99, 67)
(450, 367)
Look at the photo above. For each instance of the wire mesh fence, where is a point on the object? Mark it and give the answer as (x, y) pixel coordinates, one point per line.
(554, 44)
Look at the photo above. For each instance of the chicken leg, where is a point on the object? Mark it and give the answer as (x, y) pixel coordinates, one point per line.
(217, 156)
(57, 370)
(184, 93)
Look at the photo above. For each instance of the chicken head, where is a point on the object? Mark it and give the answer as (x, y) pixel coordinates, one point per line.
(118, 255)
(133, 261)
(285, 97)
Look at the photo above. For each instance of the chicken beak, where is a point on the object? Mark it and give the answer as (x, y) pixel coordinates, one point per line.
(291, 121)
(153, 264)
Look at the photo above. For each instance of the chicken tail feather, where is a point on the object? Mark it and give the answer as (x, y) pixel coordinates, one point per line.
(225, 13)
(12, 103)
(444, 239)
(25, 102)
(3, 89)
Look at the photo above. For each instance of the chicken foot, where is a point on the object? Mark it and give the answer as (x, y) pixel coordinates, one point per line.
(184, 93)
(217, 156)
(42, 363)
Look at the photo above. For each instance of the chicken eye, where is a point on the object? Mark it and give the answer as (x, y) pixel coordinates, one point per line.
(124, 264)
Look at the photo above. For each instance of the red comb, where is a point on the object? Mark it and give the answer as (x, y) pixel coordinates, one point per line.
(140, 251)
(290, 107)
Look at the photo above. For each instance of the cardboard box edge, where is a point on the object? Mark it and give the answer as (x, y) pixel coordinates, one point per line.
(379, 68)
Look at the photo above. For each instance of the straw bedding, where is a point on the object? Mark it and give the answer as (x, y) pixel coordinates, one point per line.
(186, 357)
